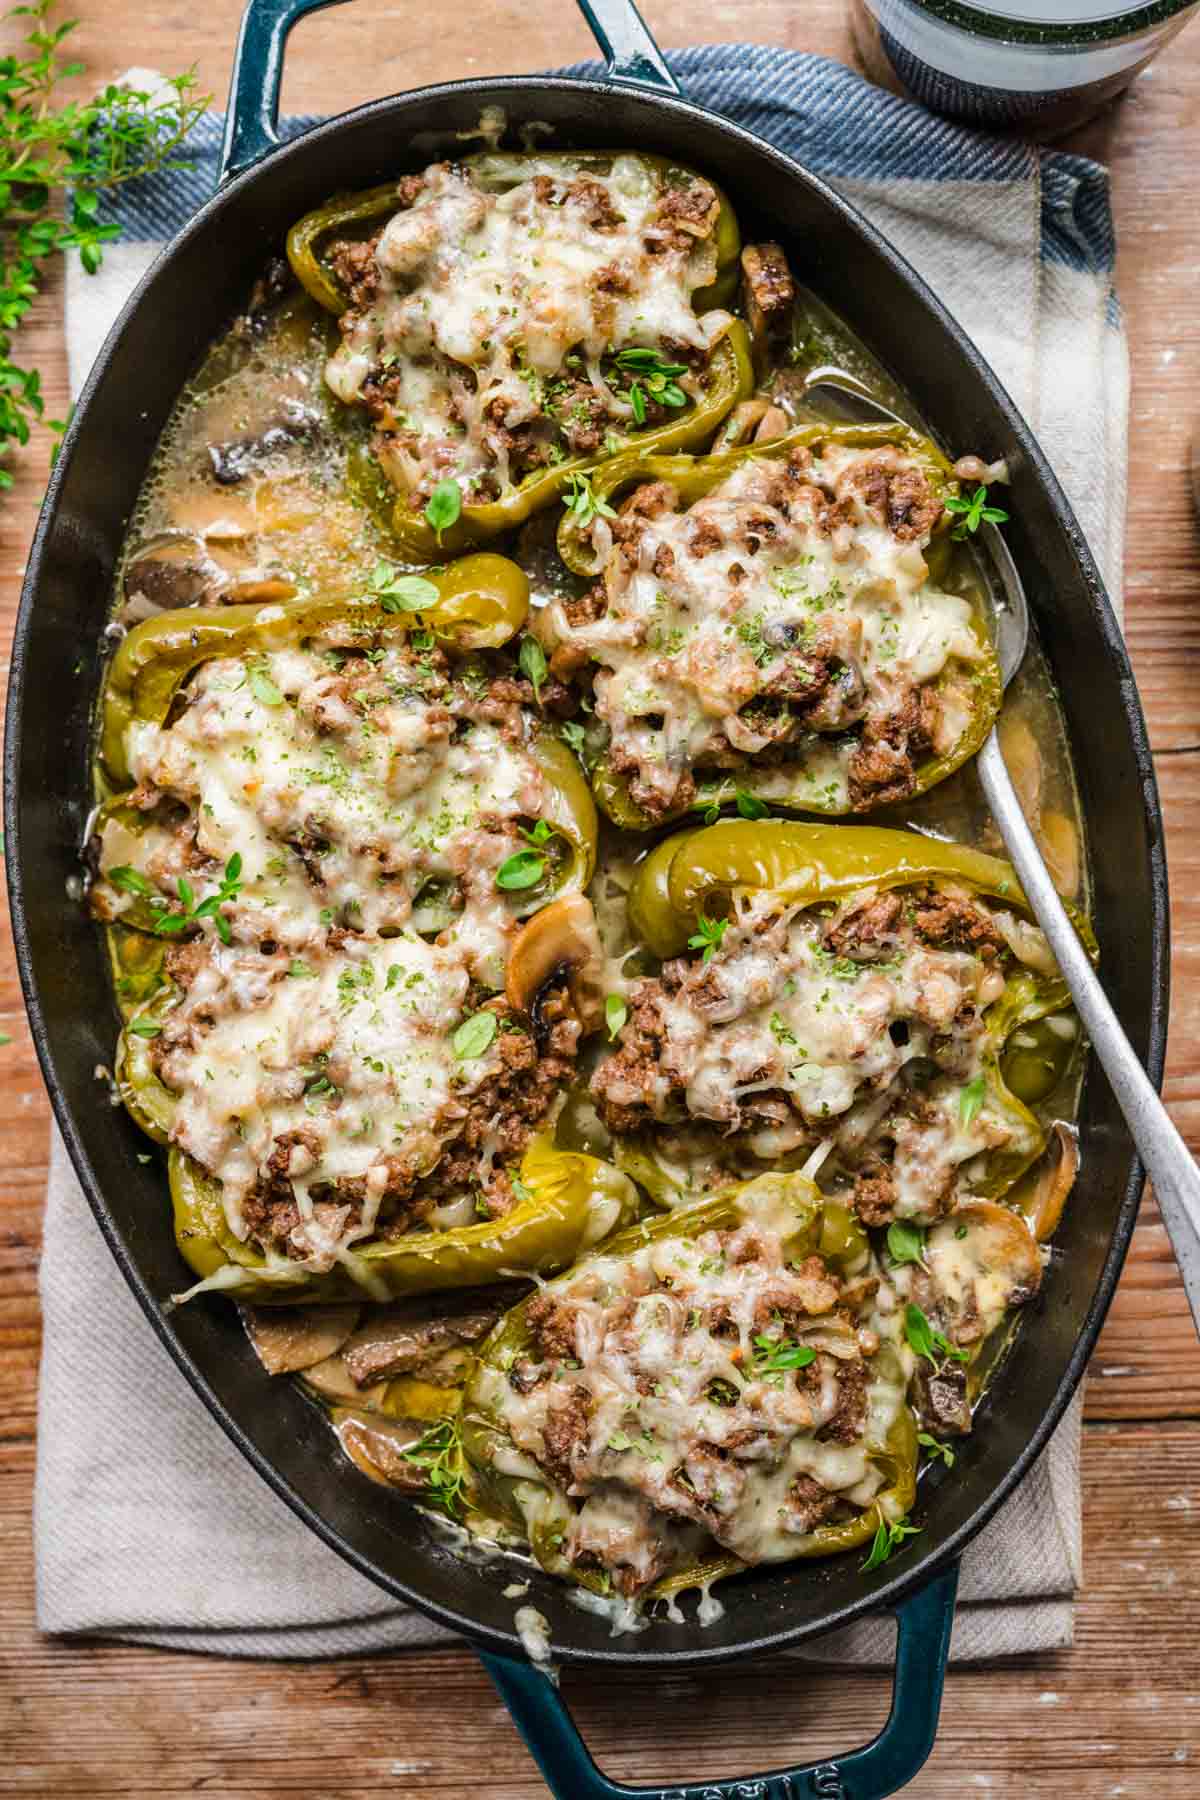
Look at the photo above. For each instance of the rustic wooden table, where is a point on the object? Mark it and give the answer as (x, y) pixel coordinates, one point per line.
(1117, 1716)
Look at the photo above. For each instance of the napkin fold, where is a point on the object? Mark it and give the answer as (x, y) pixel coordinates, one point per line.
(148, 1524)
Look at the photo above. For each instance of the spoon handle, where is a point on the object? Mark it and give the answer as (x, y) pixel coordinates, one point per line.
(1167, 1158)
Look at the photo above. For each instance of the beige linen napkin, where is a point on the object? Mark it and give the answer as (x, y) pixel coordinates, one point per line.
(149, 1526)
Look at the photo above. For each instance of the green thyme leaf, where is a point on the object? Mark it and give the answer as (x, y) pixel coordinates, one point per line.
(444, 506)
(708, 936)
(936, 1450)
(401, 593)
(926, 1341)
(615, 1014)
(572, 734)
(777, 1355)
(474, 1036)
(145, 1028)
(905, 1242)
(580, 500)
(129, 880)
(438, 1452)
(533, 665)
(750, 806)
(888, 1539)
(973, 512)
(523, 869)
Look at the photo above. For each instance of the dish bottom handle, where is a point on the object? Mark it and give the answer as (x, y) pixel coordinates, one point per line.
(882, 1767)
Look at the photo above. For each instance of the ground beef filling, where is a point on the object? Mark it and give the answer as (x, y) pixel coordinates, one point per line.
(653, 1080)
(603, 1400)
(482, 1132)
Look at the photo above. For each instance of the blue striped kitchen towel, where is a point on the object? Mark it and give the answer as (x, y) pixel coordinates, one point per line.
(149, 1527)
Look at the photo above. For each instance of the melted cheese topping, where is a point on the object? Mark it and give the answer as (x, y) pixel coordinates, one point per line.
(762, 596)
(345, 798)
(683, 1430)
(346, 1057)
(483, 295)
(867, 1056)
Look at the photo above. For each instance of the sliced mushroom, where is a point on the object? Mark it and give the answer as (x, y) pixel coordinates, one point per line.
(168, 572)
(377, 1447)
(293, 1338)
(1056, 1175)
(770, 293)
(980, 1261)
(396, 1340)
(560, 943)
(331, 1381)
(753, 421)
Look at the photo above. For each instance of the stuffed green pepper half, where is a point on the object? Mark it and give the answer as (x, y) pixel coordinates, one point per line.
(777, 622)
(508, 320)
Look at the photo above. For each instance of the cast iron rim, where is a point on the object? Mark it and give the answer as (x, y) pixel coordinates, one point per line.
(905, 1582)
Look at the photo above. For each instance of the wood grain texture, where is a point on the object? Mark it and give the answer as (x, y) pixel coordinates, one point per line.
(1118, 1716)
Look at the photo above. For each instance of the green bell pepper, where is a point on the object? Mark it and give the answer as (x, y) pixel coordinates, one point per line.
(574, 1202)
(482, 602)
(515, 1488)
(697, 873)
(695, 477)
(493, 171)
(730, 377)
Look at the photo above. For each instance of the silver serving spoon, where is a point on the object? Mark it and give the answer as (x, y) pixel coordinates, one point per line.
(1167, 1158)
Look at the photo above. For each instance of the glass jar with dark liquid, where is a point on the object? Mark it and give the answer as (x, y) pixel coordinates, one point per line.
(1040, 66)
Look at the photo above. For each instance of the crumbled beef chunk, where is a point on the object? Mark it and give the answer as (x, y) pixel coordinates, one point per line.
(847, 1423)
(587, 608)
(797, 678)
(875, 1194)
(625, 1080)
(941, 1399)
(565, 1431)
(595, 202)
(952, 923)
(808, 1504)
(883, 769)
(770, 290)
(864, 929)
(706, 536)
(895, 491)
(552, 1328)
(690, 212)
(356, 270)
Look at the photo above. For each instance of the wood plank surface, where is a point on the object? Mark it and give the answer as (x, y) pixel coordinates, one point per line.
(1117, 1716)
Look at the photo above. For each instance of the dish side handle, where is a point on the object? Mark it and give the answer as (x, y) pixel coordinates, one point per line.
(252, 116)
(884, 1766)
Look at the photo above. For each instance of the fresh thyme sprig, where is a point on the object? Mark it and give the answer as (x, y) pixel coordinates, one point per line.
(48, 146)
(586, 505)
(439, 1453)
(974, 512)
(708, 936)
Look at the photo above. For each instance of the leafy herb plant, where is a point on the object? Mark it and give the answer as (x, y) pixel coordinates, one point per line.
(51, 148)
